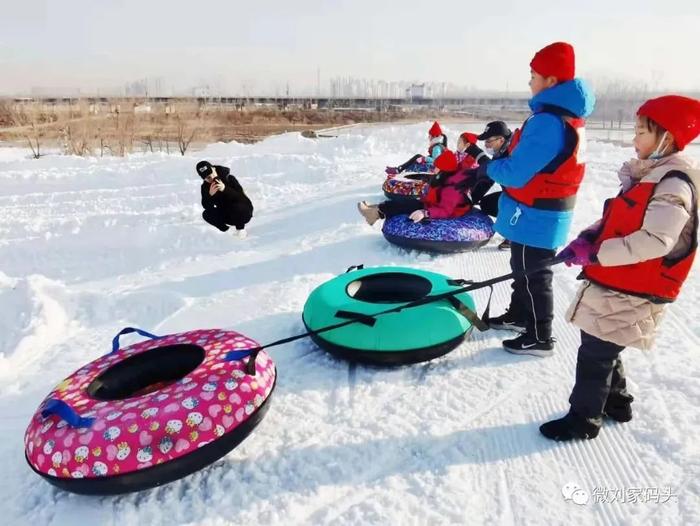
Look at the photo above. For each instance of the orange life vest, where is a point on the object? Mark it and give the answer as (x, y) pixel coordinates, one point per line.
(659, 279)
(556, 185)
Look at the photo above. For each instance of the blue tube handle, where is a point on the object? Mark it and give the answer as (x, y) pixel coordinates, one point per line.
(54, 406)
(128, 330)
(233, 356)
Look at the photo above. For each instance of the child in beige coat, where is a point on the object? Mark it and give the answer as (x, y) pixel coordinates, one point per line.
(634, 261)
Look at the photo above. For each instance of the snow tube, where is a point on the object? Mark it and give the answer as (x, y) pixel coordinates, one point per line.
(413, 335)
(406, 186)
(150, 413)
(458, 234)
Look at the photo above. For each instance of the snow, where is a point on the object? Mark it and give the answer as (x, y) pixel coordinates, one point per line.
(89, 246)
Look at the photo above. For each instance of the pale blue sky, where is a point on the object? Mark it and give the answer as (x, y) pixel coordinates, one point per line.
(487, 45)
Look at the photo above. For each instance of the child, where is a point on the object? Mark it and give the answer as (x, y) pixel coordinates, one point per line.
(437, 143)
(540, 180)
(464, 160)
(447, 196)
(634, 260)
(223, 198)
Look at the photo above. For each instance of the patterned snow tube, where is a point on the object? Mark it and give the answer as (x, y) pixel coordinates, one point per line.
(406, 186)
(150, 413)
(458, 234)
(412, 335)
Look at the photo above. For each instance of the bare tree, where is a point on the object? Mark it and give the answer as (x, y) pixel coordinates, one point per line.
(33, 136)
(5, 114)
(124, 133)
(147, 143)
(77, 141)
(185, 135)
(29, 128)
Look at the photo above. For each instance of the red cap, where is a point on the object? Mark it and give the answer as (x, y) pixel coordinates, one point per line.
(679, 115)
(446, 162)
(469, 137)
(555, 60)
(435, 130)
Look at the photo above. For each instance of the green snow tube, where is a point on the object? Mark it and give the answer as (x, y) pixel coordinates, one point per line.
(412, 335)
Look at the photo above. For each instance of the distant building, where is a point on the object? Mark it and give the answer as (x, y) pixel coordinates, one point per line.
(138, 88)
(418, 91)
(42, 92)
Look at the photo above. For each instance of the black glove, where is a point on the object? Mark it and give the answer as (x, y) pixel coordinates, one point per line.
(482, 185)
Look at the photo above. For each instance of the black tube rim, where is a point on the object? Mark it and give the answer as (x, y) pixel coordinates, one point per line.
(389, 358)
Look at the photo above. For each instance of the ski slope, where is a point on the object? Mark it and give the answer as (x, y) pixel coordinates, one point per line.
(88, 246)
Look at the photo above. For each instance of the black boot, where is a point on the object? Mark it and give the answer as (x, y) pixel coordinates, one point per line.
(618, 404)
(571, 426)
(619, 407)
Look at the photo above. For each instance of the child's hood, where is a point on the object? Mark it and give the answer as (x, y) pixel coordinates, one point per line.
(574, 96)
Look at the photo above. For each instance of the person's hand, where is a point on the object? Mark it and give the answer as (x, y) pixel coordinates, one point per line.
(418, 216)
(579, 252)
(216, 186)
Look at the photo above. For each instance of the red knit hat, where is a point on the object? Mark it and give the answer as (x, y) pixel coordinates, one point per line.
(555, 60)
(435, 130)
(470, 138)
(446, 162)
(679, 115)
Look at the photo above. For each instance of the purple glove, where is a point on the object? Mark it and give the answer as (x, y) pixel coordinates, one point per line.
(579, 252)
(390, 170)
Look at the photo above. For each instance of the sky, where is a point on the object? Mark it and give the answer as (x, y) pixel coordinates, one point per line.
(261, 46)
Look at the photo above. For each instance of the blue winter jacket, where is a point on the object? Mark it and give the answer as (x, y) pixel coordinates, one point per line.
(542, 139)
(437, 151)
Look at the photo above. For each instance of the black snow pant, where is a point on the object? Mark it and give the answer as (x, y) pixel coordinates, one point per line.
(599, 376)
(412, 160)
(532, 299)
(489, 204)
(234, 215)
(393, 208)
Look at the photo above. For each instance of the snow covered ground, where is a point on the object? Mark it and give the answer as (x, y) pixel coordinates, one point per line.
(88, 246)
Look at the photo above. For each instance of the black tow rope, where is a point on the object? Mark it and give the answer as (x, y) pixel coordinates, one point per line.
(369, 319)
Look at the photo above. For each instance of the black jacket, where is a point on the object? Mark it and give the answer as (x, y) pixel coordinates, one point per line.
(482, 182)
(232, 197)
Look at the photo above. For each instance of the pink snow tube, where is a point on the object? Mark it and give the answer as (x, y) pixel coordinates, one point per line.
(150, 413)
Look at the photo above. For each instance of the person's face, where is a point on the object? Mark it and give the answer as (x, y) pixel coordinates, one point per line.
(646, 141)
(210, 178)
(495, 143)
(461, 145)
(539, 83)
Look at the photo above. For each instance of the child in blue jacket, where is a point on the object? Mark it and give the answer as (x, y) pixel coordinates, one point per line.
(540, 180)
(437, 143)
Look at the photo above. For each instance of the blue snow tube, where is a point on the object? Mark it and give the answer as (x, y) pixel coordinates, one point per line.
(459, 234)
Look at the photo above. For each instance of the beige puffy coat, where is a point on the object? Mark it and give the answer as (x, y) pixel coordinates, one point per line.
(621, 318)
